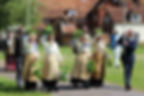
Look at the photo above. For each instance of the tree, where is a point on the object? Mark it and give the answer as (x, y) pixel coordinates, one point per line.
(4, 14)
(18, 11)
(13, 12)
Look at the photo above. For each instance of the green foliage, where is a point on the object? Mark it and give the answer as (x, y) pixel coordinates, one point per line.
(13, 12)
(18, 11)
(90, 66)
(4, 15)
(49, 29)
(9, 88)
(78, 33)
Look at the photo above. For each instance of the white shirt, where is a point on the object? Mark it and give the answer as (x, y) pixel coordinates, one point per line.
(31, 48)
(52, 48)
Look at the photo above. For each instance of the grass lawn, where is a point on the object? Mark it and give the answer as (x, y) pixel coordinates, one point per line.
(113, 75)
(8, 88)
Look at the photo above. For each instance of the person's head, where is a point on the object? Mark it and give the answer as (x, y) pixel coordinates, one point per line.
(20, 31)
(10, 34)
(51, 37)
(83, 39)
(32, 38)
(130, 33)
(85, 28)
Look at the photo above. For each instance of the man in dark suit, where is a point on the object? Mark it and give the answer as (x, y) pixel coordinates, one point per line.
(19, 55)
(129, 43)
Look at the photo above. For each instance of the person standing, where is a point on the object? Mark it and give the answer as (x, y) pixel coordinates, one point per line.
(30, 68)
(129, 43)
(116, 47)
(19, 55)
(52, 61)
(10, 62)
(80, 74)
(99, 58)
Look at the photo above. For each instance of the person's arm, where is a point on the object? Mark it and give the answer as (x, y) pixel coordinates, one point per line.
(131, 45)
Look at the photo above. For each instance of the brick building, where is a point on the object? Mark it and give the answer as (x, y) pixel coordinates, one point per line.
(54, 9)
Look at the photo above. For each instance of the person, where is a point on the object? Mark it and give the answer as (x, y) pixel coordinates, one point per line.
(10, 62)
(2, 42)
(51, 65)
(86, 33)
(30, 67)
(99, 58)
(108, 23)
(116, 47)
(80, 74)
(129, 43)
(19, 55)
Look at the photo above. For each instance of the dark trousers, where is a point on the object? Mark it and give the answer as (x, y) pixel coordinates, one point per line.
(128, 62)
(19, 68)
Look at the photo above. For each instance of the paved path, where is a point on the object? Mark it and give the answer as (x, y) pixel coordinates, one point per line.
(107, 90)
(67, 90)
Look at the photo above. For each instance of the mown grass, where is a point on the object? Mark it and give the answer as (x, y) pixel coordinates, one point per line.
(8, 88)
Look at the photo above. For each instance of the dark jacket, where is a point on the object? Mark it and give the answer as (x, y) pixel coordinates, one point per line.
(19, 46)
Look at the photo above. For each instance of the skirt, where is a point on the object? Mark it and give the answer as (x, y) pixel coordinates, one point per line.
(51, 68)
(80, 71)
(99, 65)
(29, 68)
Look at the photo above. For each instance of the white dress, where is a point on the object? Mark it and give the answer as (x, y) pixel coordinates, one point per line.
(53, 58)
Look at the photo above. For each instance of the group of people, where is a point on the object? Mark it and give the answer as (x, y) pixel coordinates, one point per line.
(90, 58)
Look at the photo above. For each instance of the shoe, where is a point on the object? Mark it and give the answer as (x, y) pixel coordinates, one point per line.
(128, 88)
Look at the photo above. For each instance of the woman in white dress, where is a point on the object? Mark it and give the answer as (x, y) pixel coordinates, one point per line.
(29, 68)
(51, 65)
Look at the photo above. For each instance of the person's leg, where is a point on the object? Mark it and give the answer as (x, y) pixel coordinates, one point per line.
(33, 85)
(30, 85)
(74, 82)
(129, 68)
(54, 85)
(85, 83)
(19, 64)
(27, 85)
(45, 84)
